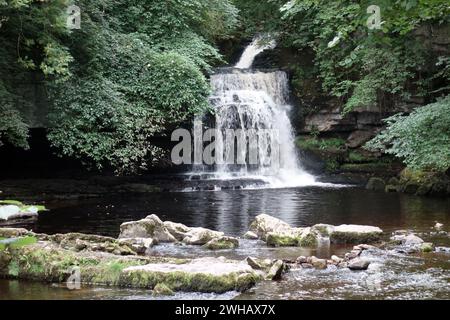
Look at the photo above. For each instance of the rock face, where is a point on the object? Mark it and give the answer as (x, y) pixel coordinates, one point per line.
(278, 233)
(11, 211)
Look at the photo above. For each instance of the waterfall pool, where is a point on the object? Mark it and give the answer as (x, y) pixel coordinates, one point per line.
(391, 275)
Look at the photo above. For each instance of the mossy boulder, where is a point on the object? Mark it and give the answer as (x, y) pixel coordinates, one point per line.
(222, 243)
(355, 234)
(199, 275)
(162, 290)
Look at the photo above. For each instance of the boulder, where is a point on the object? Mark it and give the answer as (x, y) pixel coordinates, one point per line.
(215, 275)
(318, 263)
(355, 234)
(222, 243)
(177, 230)
(376, 184)
(265, 224)
(358, 264)
(412, 240)
(259, 264)
(201, 236)
(275, 271)
(358, 138)
(150, 227)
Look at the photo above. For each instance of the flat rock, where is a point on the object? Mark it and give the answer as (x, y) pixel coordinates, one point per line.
(199, 275)
(355, 234)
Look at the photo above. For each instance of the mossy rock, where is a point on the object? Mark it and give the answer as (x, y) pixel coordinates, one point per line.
(222, 243)
(277, 240)
(376, 184)
(162, 290)
(354, 237)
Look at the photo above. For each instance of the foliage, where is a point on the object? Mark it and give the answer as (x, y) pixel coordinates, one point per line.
(362, 66)
(421, 139)
(133, 69)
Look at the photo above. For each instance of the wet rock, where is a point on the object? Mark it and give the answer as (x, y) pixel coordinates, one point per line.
(308, 238)
(318, 263)
(307, 266)
(352, 254)
(301, 259)
(323, 230)
(177, 230)
(259, 264)
(13, 232)
(282, 240)
(265, 224)
(199, 275)
(336, 259)
(250, 235)
(376, 184)
(222, 243)
(139, 245)
(438, 226)
(427, 247)
(275, 271)
(412, 240)
(411, 188)
(150, 227)
(355, 234)
(201, 236)
(358, 264)
(162, 290)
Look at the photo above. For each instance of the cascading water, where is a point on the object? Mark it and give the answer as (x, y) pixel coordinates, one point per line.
(252, 100)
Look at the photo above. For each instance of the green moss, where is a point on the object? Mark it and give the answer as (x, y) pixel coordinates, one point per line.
(310, 240)
(162, 290)
(354, 237)
(184, 281)
(275, 240)
(315, 144)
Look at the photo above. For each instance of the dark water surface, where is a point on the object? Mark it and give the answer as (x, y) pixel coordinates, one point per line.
(390, 276)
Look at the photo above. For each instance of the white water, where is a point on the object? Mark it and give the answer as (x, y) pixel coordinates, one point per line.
(257, 46)
(250, 99)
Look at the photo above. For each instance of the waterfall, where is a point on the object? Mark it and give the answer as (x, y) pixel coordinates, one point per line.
(251, 100)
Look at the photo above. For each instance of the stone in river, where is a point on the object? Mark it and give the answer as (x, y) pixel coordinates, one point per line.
(358, 264)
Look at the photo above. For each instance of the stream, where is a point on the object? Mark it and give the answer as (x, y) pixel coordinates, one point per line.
(391, 275)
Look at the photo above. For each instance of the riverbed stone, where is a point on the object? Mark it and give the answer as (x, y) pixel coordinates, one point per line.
(427, 247)
(412, 240)
(222, 243)
(150, 227)
(162, 290)
(201, 236)
(13, 232)
(275, 271)
(251, 235)
(139, 245)
(318, 263)
(358, 264)
(355, 234)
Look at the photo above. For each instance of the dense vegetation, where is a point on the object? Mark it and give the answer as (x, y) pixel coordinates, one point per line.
(133, 68)
(138, 66)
